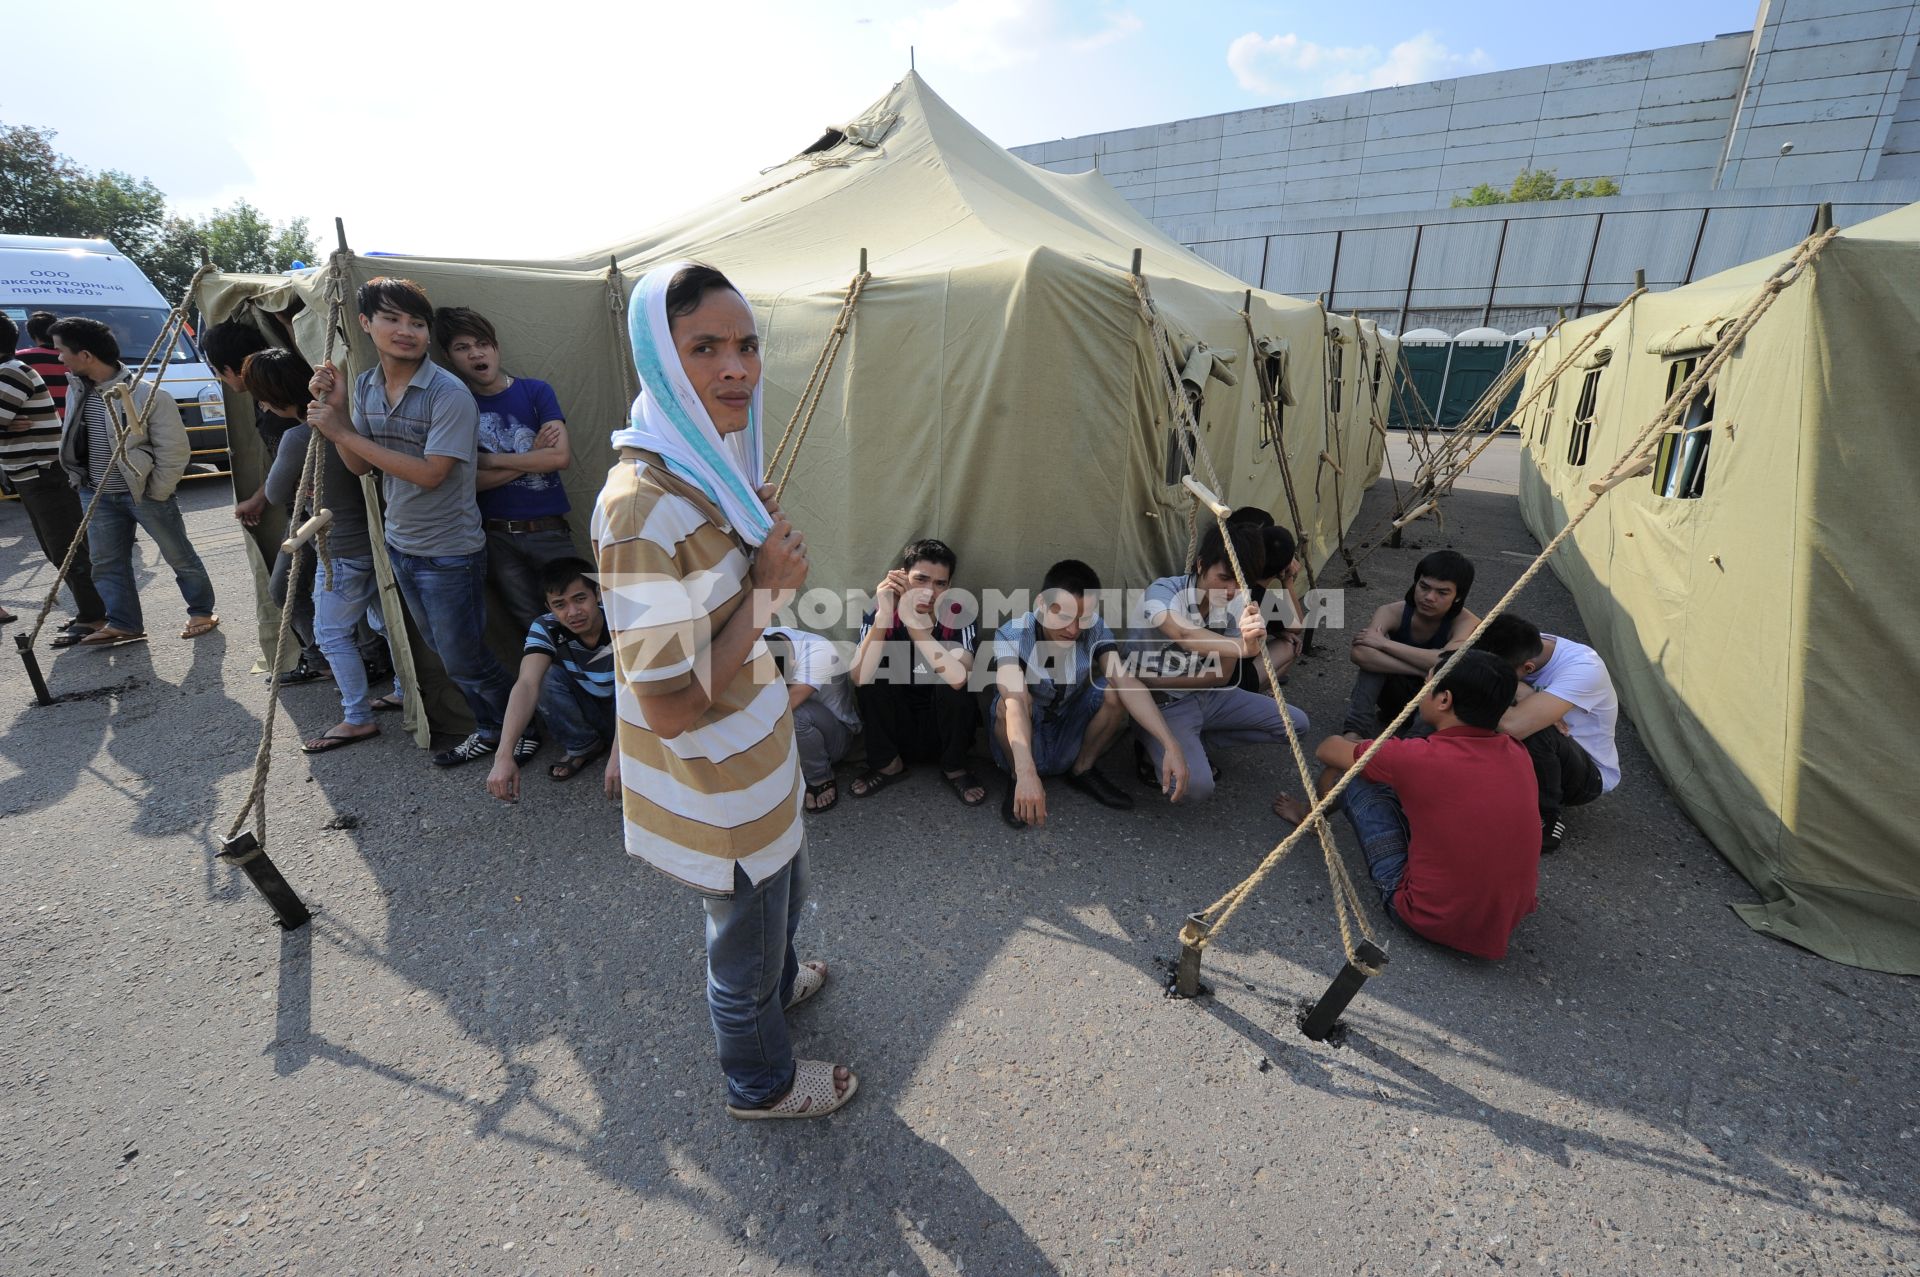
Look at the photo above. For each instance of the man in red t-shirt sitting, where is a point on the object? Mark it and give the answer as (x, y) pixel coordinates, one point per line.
(1447, 823)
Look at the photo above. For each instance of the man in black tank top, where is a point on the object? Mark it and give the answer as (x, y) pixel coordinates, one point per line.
(1403, 643)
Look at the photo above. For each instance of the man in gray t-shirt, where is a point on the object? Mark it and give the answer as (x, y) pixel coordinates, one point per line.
(419, 426)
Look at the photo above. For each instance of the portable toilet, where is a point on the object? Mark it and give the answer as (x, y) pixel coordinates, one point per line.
(1423, 375)
(1521, 340)
(1479, 355)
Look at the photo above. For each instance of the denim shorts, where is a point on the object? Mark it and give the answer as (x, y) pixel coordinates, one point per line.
(1058, 730)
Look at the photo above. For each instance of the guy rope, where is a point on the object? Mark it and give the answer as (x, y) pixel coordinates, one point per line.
(122, 412)
(243, 848)
(1204, 927)
(1365, 953)
(1443, 468)
(1272, 408)
(816, 385)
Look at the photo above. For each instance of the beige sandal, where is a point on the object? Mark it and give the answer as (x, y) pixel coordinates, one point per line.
(809, 980)
(811, 1095)
(198, 625)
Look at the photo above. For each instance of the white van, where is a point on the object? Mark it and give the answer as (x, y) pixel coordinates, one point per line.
(90, 278)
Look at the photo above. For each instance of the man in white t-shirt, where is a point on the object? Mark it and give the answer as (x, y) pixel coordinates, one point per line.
(1564, 715)
(825, 718)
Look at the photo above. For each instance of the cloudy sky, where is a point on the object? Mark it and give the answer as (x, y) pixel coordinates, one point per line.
(520, 130)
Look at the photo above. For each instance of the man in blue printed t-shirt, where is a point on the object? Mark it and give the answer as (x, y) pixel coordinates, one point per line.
(523, 454)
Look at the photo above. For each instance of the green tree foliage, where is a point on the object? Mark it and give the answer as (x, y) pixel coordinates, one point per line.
(1537, 184)
(42, 192)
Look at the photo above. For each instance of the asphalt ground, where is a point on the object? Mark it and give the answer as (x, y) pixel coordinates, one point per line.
(489, 1051)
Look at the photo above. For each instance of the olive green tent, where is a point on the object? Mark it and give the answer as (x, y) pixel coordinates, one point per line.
(997, 389)
(1755, 596)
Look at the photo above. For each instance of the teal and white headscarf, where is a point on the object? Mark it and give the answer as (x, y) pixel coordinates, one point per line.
(668, 418)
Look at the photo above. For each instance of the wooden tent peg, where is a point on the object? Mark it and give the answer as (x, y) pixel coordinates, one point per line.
(307, 532)
(1328, 458)
(1411, 515)
(1207, 498)
(1638, 468)
(1186, 974)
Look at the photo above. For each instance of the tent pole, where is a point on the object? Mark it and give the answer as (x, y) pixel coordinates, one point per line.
(340, 233)
(1136, 263)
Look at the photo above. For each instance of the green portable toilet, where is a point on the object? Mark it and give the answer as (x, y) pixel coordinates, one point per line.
(1521, 340)
(1479, 356)
(1423, 375)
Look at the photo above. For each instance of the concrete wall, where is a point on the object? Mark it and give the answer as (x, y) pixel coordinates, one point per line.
(1692, 133)
(1514, 266)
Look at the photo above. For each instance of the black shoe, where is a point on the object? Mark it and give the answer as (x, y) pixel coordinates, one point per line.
(1097, 787)
(304, 673)
(524, 748)
(1552, 830)
(474, 746)
(1006, 807)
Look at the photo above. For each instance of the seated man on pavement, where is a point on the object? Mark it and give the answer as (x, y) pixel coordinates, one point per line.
(1060, 697)
(911, 673)
(566, 673)
(1565, 715)
(1445, 821)
(820, 694)
(1197, 630)
(1404, 641)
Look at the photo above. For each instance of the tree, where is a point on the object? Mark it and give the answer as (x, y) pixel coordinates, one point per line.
(1537, 184)
(42, 192)
(237, 239)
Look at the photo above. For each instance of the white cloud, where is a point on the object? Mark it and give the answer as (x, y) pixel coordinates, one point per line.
(1119, 26)
(1286, 66)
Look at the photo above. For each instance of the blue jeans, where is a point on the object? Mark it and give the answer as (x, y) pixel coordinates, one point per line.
(336, 614)
(750, 971)
(514, 561)
(582, 721)
(446, 598)
(110, 546)
(1378, 822)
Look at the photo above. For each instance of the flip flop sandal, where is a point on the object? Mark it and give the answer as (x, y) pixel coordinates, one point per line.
(809, 980)
(814, 792)
(107, 636)
(328, 743)
(811, 1095)
(200, 625)
(70, 635)
(869, 783)
(962, 783)
(389, 702)
(572, 765)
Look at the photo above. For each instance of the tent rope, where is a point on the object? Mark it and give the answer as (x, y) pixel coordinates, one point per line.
(1330, 384)
(1214, 918)
(816, 386)
(1347, 909)
(1272, 418)
(1427, 489)
(309, 492)
(122, 424)
(623, 357)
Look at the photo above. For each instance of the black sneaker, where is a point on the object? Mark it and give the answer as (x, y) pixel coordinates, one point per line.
(1097, 787)
(304, 673)
(524, 748)
(1552, 830)
(474, 746)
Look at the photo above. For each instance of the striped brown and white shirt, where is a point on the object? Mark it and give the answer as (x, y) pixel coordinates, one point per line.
(29, 422)
(727, 790)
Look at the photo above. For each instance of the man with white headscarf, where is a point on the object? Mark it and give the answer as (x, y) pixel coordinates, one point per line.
(693, 563)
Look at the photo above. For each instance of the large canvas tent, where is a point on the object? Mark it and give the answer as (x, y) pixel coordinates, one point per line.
(998, 388)
(1755, 597)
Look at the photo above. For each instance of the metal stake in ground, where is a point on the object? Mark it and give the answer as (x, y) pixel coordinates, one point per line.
(1322, 1015)
(244, 852)
(25, 643)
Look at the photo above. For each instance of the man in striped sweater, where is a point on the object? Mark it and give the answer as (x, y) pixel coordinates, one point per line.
(30, 468)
